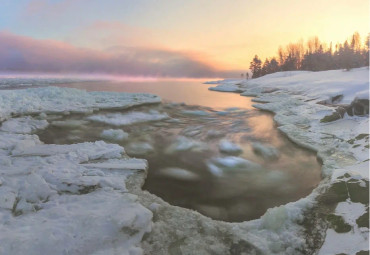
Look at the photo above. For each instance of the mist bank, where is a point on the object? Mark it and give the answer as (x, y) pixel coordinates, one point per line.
(28, 55)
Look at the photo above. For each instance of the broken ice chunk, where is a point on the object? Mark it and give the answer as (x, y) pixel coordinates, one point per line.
(114, 134)
(179, 173)
(23, 125)
(229, 147)
(219, 166)
(185, 144)
(139, 148)
(267, 152)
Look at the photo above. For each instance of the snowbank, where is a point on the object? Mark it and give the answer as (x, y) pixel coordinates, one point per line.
(57, 199)
(307, 109)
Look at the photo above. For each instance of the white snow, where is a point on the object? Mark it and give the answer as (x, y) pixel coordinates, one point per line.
(350, 242)
(114, 134)
(119, 119)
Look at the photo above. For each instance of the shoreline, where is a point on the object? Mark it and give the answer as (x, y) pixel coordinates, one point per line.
(82, 175)
(332, 167)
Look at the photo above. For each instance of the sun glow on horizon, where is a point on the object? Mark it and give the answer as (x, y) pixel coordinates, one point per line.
(221, 35)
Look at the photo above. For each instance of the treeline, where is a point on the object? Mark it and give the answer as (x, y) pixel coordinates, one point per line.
(315, 56)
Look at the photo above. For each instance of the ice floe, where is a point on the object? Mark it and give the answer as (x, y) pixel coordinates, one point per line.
(183, 143)
(266, 151)
(119, 119)
(229, 147)
(179, 173)
(225, 165)
(139, 148)
(114, 134)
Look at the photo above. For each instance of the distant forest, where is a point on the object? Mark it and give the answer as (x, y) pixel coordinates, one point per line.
(315, 56)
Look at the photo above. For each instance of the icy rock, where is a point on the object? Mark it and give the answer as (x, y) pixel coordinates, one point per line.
(23, 125)
(229, 147)
(114, 134)
(179, 173)
(265, 151)
(119, 119)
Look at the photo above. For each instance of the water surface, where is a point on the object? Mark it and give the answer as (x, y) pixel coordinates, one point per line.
(204, 120)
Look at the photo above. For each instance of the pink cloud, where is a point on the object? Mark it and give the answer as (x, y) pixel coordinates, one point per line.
(25, 54)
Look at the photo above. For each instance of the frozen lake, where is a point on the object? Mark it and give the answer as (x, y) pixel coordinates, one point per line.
(214, 153)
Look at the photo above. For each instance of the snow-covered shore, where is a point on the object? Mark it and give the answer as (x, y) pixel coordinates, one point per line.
(328, 113)
(86, 198)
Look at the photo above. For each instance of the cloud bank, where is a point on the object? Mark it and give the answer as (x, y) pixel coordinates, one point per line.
(25, 54)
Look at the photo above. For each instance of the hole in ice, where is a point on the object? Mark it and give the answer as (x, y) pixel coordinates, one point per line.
(229, 164)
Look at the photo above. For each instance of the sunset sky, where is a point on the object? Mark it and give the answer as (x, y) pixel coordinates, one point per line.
(184, 38)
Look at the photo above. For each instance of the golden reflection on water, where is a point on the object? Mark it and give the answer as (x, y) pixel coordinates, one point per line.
(189, 92)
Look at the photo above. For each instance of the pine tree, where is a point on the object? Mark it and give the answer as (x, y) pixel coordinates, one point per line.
(255, 67)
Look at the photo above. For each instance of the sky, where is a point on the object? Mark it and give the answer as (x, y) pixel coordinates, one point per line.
(182, 38)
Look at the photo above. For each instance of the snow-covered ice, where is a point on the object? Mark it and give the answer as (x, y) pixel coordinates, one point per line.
(59, 100)
(304, 104)
(57, 199)
(23, 125)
